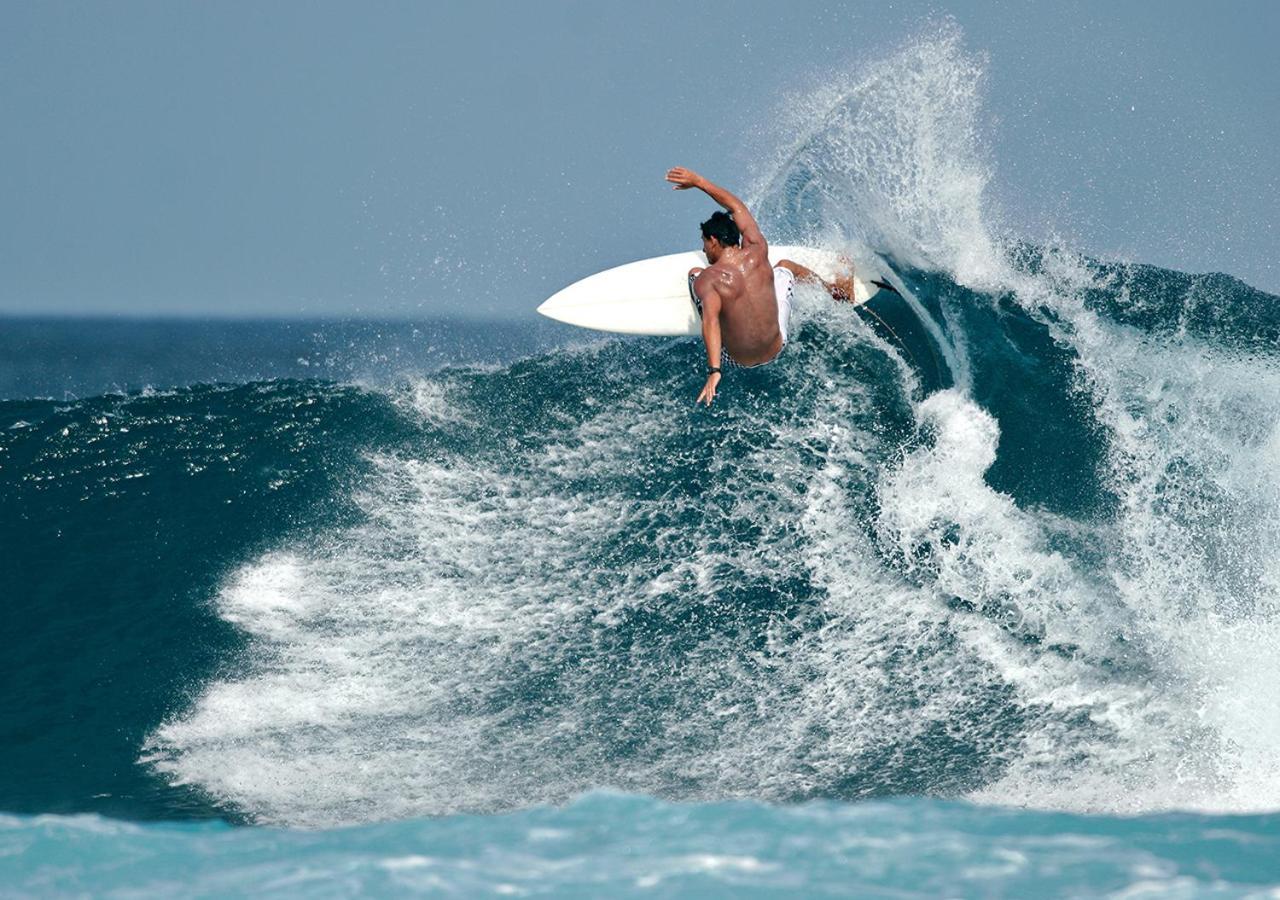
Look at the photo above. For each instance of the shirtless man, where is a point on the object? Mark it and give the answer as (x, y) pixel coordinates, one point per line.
(745, 302)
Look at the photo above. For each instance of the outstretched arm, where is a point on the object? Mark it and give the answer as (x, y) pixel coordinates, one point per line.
(684, 179)
(710, 336)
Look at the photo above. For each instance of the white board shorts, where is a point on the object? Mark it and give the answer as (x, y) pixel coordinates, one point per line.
(784, 284)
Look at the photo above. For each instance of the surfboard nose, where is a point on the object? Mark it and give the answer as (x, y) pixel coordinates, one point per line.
(554, 308)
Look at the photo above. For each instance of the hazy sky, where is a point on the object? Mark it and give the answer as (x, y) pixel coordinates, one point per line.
(437, 158)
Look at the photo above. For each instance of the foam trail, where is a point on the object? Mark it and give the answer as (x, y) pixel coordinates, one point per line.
(957, 362)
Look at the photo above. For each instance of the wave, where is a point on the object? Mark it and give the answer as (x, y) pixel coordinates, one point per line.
(833, 585)
(1051, 581)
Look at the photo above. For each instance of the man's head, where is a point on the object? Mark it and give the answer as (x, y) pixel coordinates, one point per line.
(718, 232)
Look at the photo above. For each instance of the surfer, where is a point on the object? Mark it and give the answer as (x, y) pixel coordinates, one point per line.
(744, 301)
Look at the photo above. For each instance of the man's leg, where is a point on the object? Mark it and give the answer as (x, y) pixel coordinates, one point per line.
(840, 288)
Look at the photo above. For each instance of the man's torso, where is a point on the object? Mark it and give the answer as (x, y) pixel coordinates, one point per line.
(748, 306)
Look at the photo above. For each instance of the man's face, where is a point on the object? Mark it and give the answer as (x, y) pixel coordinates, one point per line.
(712, 248)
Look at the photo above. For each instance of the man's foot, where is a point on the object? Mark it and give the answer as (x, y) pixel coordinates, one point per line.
(842, 287)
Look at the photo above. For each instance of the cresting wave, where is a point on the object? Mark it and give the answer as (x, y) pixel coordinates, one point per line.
(1054, 583)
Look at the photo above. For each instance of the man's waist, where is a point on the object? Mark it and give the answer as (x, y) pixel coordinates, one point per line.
(754, 353)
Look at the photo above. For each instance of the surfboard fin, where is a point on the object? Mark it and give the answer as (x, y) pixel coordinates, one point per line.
(885, 286)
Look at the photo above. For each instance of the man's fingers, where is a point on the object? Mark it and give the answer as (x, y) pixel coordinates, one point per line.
(681, 178)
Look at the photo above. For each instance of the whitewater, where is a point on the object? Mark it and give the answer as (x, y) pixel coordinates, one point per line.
(540, 627)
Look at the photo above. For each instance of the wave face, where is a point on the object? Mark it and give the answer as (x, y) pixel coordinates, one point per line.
(1052, 582)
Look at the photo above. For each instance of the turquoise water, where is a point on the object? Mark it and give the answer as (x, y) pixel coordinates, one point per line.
(608, 845)
(375, 607)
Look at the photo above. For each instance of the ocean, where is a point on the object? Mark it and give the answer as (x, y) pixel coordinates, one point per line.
(454, 607)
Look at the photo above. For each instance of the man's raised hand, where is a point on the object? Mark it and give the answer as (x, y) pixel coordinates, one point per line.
(682, 178)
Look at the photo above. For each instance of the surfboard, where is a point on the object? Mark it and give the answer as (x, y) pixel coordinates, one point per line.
(651, 296)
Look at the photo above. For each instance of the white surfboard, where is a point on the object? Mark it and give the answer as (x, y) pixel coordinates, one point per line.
(652, 296)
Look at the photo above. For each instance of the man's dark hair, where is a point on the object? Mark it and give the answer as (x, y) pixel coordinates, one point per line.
(722, 227)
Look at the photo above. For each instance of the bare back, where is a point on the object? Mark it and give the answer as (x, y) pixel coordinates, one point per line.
(743, 280)
(739, 306)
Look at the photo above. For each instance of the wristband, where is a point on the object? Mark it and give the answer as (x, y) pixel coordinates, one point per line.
(713, 370)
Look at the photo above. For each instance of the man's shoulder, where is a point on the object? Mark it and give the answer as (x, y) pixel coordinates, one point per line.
(717, 273)
(757, 254)
(710, 281)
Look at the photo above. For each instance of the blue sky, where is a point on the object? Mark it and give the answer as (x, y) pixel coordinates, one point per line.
(427, 159)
